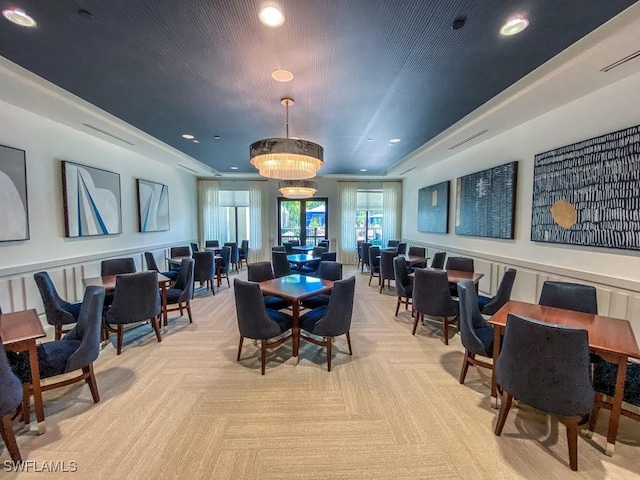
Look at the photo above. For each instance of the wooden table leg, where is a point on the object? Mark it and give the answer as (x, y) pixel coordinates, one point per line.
(497, 338)
(35, 382)
(163, 289)
(617, 406)
(295, 329)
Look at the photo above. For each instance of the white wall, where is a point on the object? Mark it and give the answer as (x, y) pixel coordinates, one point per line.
(609, 109)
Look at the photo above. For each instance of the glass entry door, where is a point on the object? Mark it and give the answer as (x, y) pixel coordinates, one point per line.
(302, 220)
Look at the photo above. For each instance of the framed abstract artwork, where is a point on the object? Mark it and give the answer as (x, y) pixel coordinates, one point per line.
(588, 193)
(486, 202)
(433, 208)
(14, 209)
(91, 201)
(153, 206)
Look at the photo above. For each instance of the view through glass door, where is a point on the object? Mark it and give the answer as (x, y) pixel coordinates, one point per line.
(302, 220)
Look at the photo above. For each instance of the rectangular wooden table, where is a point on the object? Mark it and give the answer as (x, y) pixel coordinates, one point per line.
(455, 276)
(216, 258)
(294, 288)
(19, 331)
(610, 338)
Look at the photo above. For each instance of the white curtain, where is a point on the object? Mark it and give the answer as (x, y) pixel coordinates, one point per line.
(391, 211)
(208, 214)
(347, 206)
(259, 222)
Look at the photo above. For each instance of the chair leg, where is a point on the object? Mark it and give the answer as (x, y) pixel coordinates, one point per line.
(329, 345)
(189, 311)
(9, 438)
(445, 322)
(465, 365)
(91, 380)
(504, 411)
(398, 306)
(155, 321)
(370, 277)
(349, 343)
(263, 354)
(381, 286)
(572, 441)
(58, 332)
(180, 307)
(120, 334)
(594, 413)
(240, 348)
(415, 323)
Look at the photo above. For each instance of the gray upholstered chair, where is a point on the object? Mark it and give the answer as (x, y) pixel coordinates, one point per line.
(365, 255)
(204, 270)
(557, 382)
(77, 350)
(326, 271)
(374, 263)
(404, 285)
(261, 272)
(181, 292)
(58, 311)
(393, 244)
(431, 296)
(312, 267)
(194, 248)
(225, 263)
(325, 244)
(258, 323)
(180, 251)
(211, 244)
(332, 320)
(490, 305)
(462, 264)
(570, 296)
(288, 247)
(136, 299)
(418, 252)
(386, 267)
(402, 248)
(117, 266)
(234, 254)
(280, 264)
(152, 265)
(243, 252)
(10, 400)
(359, 250)
(329, 257)
(475, 333)
(438, 260)
(278, 248)
(294, 242)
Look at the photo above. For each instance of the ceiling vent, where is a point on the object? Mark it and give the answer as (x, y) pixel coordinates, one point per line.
(407, 171)
(468, 139)
(108, 134)
(187, 168)
(621, 61)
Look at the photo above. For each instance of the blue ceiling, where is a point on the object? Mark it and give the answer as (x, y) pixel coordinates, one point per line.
(363, 69)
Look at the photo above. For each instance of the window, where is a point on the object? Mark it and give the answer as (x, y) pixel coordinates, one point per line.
(369, 216)
(294, 214)
(234, 215)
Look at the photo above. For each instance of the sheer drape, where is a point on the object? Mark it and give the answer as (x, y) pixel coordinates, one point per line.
(347, 205)
(391, 211)
(259, 221)
(208, 214)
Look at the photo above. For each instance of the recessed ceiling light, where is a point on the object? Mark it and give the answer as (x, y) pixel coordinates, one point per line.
(188, 136)
(196, 141)
(458, 23)
(394, 140)
(363, 169)
(19, 17)
(514, 25)
(369, 139)
(216, 137)
(234, 168)
(282, 75)
(271, 17)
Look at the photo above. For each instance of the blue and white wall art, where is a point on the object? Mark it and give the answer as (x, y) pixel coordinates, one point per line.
(153, 206)
(14, 212)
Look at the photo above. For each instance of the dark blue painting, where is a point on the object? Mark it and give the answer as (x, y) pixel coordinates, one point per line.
(486, 201)
(433, 208)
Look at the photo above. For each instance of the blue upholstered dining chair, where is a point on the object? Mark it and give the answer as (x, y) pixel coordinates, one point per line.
(475, 333)
(225, 263)
(261, 272)
(402, 248)
(184, 251)
(328, 270)
(418, 252)
(365, 246)
(117, 266)
(194, 247)
(77, 350)
(404, 285)
(374, 263)
(152, 265)
(10, 399)
(331, 320)
(181, 292)
(557, 382)
(204, 269)
(58, 311)
(280, 264)
(462, 264)
(432, 296)
(211, 244)
(243, 252)
(234, 254)
(386, 267)
(136, 299)
(258, 323)
(438, 260)
(490, 305)
(570, 296)
(393, 244)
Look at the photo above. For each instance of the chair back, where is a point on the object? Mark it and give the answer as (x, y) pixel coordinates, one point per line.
(234, 251)
(374, 260)
(253, 321)
(317, 252)
(328, 270)
(393, 244)
(386, 264)
(54, 306)
(431, 293)
(11, 391)
(136, 298)
(151, 261)
(226, 260)
(117, 266)
(181, 251)
(329, 257)
(438, 260)
(288, 247)
(87, 330)
(359, 249)
(280, 264)
(278, 248)
(402, 248)
(185, 279)
(570, 296)
(417, 251)
(546, 366)
(244, 248)
(259, 272)
(365, 246)
(401, 276)
(461, 264)
(294, 242)
(211, 244)
(337, 319)
(471, 321)
(325, 244)
(194, 248)
(204, 266)
(503, 294)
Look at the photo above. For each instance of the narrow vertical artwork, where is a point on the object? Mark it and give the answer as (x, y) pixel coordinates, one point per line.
(433, 208)
(588, 193)
(14, 211)
(153, 206)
